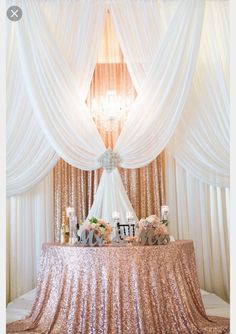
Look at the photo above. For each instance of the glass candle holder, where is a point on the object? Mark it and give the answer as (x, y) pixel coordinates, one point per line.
(129, 217)
(73, 230)
(115, 215)
(164, 212)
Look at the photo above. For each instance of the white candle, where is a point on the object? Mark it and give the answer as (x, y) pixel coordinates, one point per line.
(129, 215)
(115, 215)
(70, 211)
(164, 212)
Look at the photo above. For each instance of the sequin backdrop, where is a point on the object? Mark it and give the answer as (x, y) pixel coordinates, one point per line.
(74, 187)
(144, 186)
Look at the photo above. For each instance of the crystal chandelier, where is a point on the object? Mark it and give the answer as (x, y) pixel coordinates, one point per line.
(110, 109)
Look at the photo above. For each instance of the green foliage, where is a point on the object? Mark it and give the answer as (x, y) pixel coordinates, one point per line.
(93, 220)
(165, 222)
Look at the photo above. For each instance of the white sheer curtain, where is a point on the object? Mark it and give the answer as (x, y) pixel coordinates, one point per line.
(111, 196)
(201, 212)
(29, 155)
(201, 141)
(163, 82)
(53, 87)
(30, 223)
(55, 93)
(198, 180)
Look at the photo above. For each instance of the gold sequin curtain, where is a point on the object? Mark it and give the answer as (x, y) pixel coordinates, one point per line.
(75, 187)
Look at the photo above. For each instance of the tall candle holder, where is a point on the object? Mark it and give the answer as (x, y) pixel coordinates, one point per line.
(73, 230)
(164, 214)
(70, 212)
(129, 217)
(115, 218)
(130, 220)
(116, 221)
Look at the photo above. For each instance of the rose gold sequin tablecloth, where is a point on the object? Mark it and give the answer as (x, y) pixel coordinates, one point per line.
(132, 289)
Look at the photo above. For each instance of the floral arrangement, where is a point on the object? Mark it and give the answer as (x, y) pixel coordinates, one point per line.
(155, 223)
(100, 227)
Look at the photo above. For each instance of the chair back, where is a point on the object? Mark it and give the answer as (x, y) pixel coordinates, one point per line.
(126, 230)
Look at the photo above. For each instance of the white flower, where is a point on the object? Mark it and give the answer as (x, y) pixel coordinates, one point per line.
(153, 219)
(146, 223)
(102, 230)
(93, 225)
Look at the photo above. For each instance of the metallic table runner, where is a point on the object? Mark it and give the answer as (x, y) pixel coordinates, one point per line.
(132, 289)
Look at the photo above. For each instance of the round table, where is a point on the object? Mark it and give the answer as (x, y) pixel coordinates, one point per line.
(129, 289)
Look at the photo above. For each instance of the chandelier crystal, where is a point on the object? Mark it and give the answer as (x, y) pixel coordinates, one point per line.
(110, 109)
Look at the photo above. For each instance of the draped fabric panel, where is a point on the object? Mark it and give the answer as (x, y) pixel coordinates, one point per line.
(137, 43)
(110, 197)
(166, 79)
(201, 212)
(30, 220)
(77, 33)
(203, 147)
(29, 155)
(53, 88)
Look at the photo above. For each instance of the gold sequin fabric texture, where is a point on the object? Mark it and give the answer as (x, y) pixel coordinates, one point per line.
(122, 290)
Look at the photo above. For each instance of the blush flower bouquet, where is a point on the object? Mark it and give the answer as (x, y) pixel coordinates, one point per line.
(100, 228)
(154, 223)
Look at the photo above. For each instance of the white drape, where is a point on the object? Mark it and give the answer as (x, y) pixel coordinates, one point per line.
(29, 155)
(163, 81)
(53, 88)
(201, 141)
(110, 197)
(201, 212)
(30, 223)
(197, 192)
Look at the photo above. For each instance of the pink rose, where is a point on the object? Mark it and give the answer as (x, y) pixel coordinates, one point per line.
(161, 230)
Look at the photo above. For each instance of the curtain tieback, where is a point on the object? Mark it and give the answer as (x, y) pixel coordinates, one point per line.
(109, 160)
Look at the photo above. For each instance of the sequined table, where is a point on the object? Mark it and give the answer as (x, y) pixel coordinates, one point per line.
(132, 289)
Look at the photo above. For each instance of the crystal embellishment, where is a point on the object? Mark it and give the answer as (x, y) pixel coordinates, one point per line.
(109, 160)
